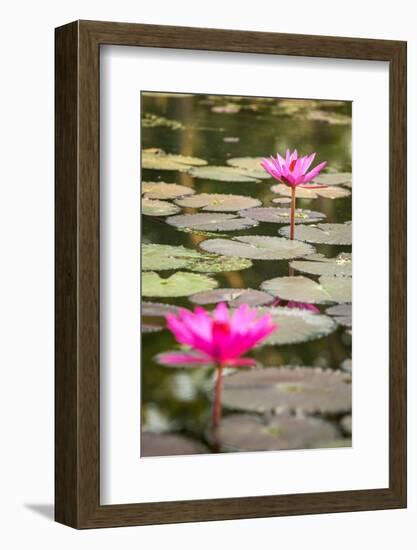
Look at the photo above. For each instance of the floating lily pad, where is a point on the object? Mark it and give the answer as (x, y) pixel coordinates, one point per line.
(246, 432)
(221, 173)
(281, 200)
(250, 166)
(211, 222)
(164, 191)
(334, 178)
(152, 207)
(303, 289)
(147, 328)
(296, 325)
(282, 215)
(159, 257)
(323, 233)
(233, 296)
(340, 266)
(342, 314)
(306, 193)
(216, 202)
(279, 389)
(155, 309)
(337, 119)
(167, 444)
(179, 284)
(258, 247)
(157, 159)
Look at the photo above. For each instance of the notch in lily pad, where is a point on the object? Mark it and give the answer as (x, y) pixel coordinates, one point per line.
(179, 284)
(303, 289)
(235, 297)
(164, 191)
(318, 264)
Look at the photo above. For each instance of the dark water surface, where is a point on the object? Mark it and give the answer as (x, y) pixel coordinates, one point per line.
(178, 399)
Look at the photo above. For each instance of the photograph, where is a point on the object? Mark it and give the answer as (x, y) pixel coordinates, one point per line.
(246, 273)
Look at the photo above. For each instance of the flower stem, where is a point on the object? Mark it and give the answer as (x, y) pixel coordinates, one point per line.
(292, 227)
(217, 402)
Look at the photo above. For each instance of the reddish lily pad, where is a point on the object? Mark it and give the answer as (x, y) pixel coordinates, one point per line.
(246, 432)
(278, 389)
(168, 444)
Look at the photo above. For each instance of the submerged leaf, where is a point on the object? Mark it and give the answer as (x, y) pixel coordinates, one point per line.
(340, 266)
(235, 297)
(296, 325)
(179, 284)
(157, 159)
(221, 173)
(247, 432)
(276, 214)
(216, 202)
(258, 247)
(322, 233)
(162, 190)
(211, 222)
(303, 289)
(152, 207)
(279, 389)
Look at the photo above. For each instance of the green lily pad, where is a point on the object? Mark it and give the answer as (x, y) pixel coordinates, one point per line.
(322, 233)
(211, 222)
(305, 193)
(247, 432)
(164, 191)
(250, 166)
(235, 297)
(279, 389)
(216, 202)
(329, 117)
(152, 207)
(157, 159)
(281, 200)
(149, 120)
(334, 178)
(296, 326)
(282, 215)
(340, 266)
(258, 247)
(159, 257)
(303, 289)
(168, 444)
(221, 173)
(179, 284)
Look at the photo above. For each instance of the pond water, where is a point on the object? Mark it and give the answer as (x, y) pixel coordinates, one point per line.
(215, 128)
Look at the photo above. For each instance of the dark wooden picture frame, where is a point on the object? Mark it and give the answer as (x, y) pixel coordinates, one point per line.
(77, 373)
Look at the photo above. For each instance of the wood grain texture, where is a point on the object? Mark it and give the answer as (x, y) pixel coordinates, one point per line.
(78, 285)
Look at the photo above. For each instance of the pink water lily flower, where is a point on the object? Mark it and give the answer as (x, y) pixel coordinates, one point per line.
(293, 170)
(219, 338)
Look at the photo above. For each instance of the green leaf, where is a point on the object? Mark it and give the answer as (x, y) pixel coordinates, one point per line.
(216, 202)
(152, 207)
(303, 289)
(221, 173)
(211, 222)
(322, 233)
(157, 159)
(276, 214)
(340, 266)
(164, 191)
(179, 284)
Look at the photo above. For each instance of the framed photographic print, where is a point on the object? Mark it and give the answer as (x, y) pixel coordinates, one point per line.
(230, 274)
